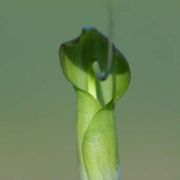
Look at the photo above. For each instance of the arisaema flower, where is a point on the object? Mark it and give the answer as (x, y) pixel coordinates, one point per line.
(96, 127)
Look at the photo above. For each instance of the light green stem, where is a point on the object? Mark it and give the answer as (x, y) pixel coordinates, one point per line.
(97, 142)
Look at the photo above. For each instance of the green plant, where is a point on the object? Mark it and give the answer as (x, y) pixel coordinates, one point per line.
(96, 97)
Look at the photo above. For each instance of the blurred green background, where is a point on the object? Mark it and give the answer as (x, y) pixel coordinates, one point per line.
(38, 105)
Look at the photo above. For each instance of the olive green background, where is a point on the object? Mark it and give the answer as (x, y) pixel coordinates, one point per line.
(38, 105)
